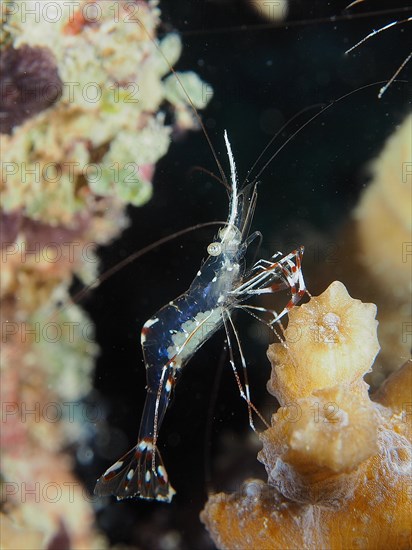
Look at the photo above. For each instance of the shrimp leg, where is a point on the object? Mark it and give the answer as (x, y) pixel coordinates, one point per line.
(244, 392)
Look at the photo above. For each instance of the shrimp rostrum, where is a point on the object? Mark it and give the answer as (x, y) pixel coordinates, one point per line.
(172, 336)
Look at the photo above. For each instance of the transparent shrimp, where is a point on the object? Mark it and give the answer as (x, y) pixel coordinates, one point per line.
(173, 335)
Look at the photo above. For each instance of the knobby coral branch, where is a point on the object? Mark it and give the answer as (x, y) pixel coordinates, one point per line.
(338, 463)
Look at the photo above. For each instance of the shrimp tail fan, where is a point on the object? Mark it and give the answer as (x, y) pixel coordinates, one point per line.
(137, 475)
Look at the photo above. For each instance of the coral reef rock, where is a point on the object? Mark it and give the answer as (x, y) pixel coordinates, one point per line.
(85, 94)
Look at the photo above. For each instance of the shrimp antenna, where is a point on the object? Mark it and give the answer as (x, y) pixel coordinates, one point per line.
(333, 102)
(277, 135)
(378, 31)
(296, 23)
(393, 77)
(134, 256)
(250, 211)
(195, 111)
(354, 4)
(211, 174)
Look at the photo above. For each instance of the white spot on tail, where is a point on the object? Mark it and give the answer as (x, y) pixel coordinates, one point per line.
(143, 445)
(162, 472)
(116, 466)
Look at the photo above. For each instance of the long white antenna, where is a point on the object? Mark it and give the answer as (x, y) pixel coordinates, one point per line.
(233, 178)
(374, 33)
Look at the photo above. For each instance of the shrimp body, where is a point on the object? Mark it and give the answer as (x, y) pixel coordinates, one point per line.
(172, 336)
(169, 340)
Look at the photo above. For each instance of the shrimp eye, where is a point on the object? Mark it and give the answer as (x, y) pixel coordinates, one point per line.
(214, 249)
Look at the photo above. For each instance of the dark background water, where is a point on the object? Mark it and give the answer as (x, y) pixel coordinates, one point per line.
(261, 76)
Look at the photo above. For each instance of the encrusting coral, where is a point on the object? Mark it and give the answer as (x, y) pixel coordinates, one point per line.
(338, 463)
(82, 87)
(70, 169)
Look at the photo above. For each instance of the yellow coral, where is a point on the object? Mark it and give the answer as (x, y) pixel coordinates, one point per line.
(329, 340)
(384, 216)
(338, 464)
(383, 224)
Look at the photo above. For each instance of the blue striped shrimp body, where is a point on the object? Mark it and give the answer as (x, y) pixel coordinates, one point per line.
(170, 339)
(173, 335)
